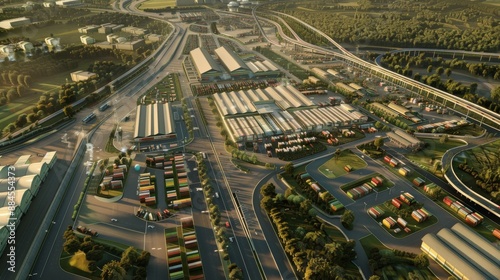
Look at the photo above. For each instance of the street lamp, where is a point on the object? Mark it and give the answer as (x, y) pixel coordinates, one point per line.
(365, 205)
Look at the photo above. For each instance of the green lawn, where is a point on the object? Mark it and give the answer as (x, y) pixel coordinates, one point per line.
(168, 89)
(335, 167)
(293, 68)
(156, 4)
(427, 157)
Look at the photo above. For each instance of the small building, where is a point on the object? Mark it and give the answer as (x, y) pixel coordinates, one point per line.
(154, 121)
(313, 80)
(14, 22)
(130, 46)
(82, 75)
(68, 3)
(50, 41)
(27, 47)
(134, 30)
(153, 37)
(88, 29)
(87, 40)
(106, 28)
(233, 6)
(48, 4)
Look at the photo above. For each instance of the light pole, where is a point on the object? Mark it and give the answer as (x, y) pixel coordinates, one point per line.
(365, 205)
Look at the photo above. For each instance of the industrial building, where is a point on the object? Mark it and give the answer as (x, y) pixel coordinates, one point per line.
(14, 22)
(375, 106)
(263, 68)
(68, 3)
(320, 73)
(205, 65)
(252, 114)
(28, 178)
(27, 47)
(463, 253)
(153, 121)
(233, 64)
(403, 139)
(400, 109)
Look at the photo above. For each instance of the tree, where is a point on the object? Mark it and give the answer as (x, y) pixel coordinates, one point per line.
(69, 111)
(267, 203)
(347, 219)
(374, 277)
(235, 273)
(439, 71)
(305, 206)
(495, 93)
(473, 88)
(378, 142)
(289, 168)
(417, 77)
(129, 257)
(143, 259)
(94, 255)
(447, 72)
(421, 260)
(268, 190)
(337, 153)
(443, 139)
(113, 271)
(22, 120)
(71, 245)
(429, 69)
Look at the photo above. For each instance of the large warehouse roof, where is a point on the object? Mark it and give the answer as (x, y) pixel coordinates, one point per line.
(460, 254)
(230, 59)
(203, 61)
(477, 241)
(153, 119)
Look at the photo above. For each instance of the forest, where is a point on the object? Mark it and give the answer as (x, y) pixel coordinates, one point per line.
(444, 24)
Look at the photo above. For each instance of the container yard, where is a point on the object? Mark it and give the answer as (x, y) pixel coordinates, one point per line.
(407, 198)
(419, 182)
(146, 187)
(375, 212)
(389, 160)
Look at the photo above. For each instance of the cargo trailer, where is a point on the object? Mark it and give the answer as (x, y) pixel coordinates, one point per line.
(402, 222)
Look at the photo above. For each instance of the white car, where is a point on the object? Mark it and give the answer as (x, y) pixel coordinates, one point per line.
(151, 226)
(114, 220)
(231, 239)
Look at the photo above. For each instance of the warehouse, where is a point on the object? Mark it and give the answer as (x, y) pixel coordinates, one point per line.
(264, 68)
(153, 121)
(320, 73)
(233, 64)
(345, 88)
(463, 253)
(375, 106)
(255, 113)
(206, 67)
(400, 109)
(403, 139)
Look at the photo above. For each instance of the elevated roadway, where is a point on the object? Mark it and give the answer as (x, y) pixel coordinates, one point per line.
(481, 115)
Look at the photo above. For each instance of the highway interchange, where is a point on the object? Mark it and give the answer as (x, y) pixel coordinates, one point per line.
(249, 225)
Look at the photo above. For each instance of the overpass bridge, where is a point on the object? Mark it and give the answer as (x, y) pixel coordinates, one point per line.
(471, 110)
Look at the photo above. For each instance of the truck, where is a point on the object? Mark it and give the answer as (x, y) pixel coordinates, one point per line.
(88, 231)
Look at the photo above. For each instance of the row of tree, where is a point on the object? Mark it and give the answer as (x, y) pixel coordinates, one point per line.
(235, 272)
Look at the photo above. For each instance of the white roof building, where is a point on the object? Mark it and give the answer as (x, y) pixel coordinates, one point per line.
(14, 22)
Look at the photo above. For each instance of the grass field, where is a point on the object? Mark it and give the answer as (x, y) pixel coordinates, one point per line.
(156, 4)
(77, 264)
(335, 167)
(427, 157)
(293, 68)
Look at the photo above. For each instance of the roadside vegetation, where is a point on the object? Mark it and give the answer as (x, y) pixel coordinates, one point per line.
(335, 166)
(98, 259)
(478, 169)
(308, 243)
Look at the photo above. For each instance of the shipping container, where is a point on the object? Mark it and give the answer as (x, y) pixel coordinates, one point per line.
(422, 213)
(315, 187)
(387, 159)
(448, 200)
(417, 217)
(396, 203)
(404, 171)
(463, 212)
(305, 176)
(389, 222)
(393, 163)
(496, 233)
(419, 182)
(402, 222)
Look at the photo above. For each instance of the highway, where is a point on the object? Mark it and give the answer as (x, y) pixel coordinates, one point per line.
(481, 114)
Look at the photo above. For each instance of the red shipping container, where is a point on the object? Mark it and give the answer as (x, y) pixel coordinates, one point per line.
(496, 233)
